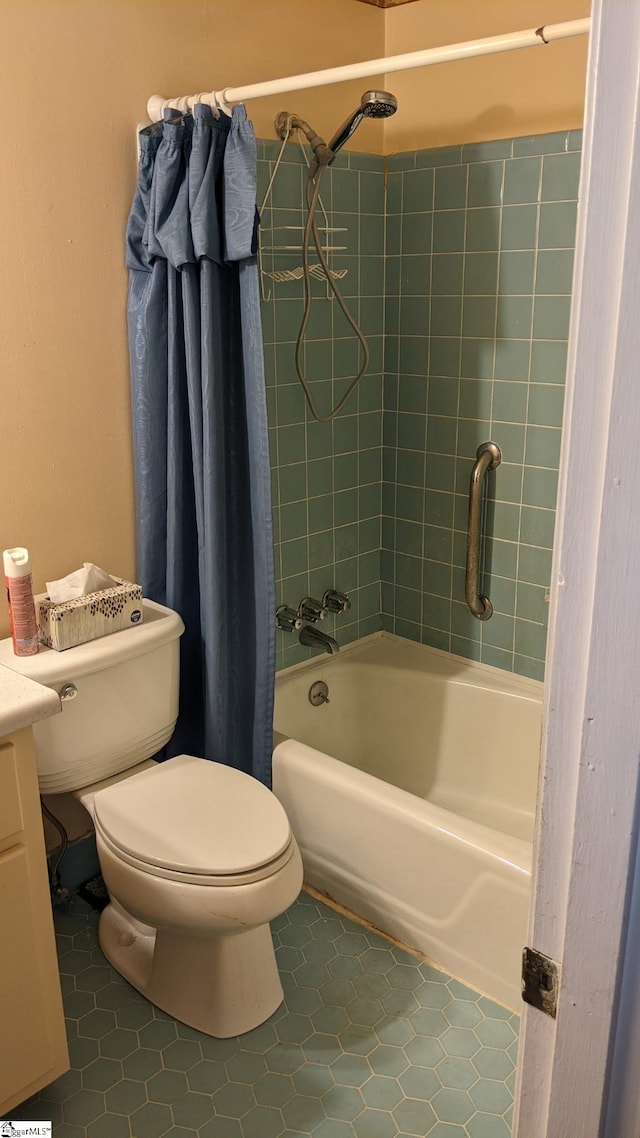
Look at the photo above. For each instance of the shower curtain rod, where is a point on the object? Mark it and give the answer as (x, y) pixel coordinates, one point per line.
(510, 41)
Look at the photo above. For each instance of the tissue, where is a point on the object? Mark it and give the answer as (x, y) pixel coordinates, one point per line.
(112, 605)
(89, 579)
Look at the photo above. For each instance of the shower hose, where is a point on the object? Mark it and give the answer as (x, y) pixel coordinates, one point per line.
(314, 180)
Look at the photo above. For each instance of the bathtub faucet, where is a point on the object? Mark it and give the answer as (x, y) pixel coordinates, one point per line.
(314, 638)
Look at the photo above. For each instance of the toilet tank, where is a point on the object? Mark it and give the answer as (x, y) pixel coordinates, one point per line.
(126, 704)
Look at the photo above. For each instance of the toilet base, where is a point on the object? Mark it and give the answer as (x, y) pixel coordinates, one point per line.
(221, 986)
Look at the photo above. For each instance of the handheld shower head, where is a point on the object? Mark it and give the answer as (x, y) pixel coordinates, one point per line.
(373, 105)
(378, 104)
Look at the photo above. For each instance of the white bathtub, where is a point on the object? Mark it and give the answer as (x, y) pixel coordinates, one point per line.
(412, 797)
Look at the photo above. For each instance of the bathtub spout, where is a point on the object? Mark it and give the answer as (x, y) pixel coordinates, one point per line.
(314, 638)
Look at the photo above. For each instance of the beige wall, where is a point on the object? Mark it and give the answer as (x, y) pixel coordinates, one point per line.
(531, 91)
(74, 80)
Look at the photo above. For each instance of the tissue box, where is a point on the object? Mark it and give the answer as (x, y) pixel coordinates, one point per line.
(97, 614)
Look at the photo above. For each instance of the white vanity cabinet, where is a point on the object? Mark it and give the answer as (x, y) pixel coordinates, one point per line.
(33, 1047)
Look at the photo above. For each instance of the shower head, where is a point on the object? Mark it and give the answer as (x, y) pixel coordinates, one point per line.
(378, 104)
(373, 105)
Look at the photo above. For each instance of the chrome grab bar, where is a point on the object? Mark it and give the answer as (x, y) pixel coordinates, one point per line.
(488, 457)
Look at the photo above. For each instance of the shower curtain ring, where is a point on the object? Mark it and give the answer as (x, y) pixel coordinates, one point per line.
(221, 104)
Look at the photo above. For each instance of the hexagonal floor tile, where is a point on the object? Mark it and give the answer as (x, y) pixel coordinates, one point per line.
(460, 1041)
(262, 1122)
(373, 984)
(141, 1064)
(343, 1103)
(369, 1043)
(374, 1124)
(245, 1068)
(126, 1097)
(329, 1021)
(285, 1058)
(328, 928)
(82, 1052)
(460, 1074)
(207, 1076)
(358, 1039)
(97, 1023)
(273, 1089)
(77, 1004)
(490, 1096)
(414, 1116)
(319, 951)
(302, 1114)
(294, 1028)
(345, 967)
(73, 962)
(102, 1074)
(233, 1100)
(487, 1126)
(93, 978)
(423, 1052)
(430, 1022)
(312, 1080)
(151, 1120)
(167, 1086)
(351, 944)
(387, 1060)
(83, 1108)
(365, 1011)
(382, 1091)
(338, 992)
(491, 1063)
(192, 1110)
(462, 1013)
(158, 1034)
(451, 1105)
(495, 1033)
(377, 960)
(118, 1043)
(432, 995)
(108, 1126)
(404, 976)
(330, 1128)
(419, 1082)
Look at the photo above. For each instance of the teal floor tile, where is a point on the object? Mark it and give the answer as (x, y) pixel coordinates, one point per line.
(370, 1042)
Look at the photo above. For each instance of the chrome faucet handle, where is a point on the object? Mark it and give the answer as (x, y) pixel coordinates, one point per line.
(310, 609)
(334, 601)
(287, 619)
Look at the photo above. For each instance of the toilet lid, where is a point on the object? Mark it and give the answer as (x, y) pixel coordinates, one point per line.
(192, 816)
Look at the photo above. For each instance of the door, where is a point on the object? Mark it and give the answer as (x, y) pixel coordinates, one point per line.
(578, 1073)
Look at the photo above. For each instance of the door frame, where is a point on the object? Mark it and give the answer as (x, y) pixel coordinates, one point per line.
(586, 834)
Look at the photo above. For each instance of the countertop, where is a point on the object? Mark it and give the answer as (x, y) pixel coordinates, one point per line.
(23, 701)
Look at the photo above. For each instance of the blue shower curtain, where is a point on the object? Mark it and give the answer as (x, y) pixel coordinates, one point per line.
(200, 427)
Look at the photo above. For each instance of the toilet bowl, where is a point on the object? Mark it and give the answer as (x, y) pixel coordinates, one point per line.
(202, 858)
(197, 857)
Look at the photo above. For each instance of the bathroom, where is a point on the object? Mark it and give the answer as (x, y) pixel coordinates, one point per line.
(501, 137)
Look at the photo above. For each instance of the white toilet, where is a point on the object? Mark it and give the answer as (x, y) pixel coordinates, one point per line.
(197, 857)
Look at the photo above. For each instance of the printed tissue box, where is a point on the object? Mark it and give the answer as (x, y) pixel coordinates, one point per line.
(69, 623)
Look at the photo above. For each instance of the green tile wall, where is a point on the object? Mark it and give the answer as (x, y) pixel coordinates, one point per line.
(479, 257)
(459, 264)
(326, 477)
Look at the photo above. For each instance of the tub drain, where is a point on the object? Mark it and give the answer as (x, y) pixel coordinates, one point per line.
(318, 693)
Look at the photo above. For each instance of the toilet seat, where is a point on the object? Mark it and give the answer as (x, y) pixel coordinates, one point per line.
(195, 821)
(258, 874)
